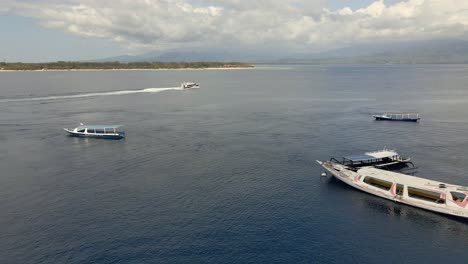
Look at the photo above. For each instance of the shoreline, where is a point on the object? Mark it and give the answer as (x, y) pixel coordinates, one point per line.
(136, 69)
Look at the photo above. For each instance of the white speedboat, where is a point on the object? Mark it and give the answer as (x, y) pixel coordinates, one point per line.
(97, 131)
(189, 85)
(431, 195)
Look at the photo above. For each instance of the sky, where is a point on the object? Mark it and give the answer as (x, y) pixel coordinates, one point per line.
(51, 30)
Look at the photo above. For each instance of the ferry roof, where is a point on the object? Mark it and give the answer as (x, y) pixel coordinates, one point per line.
(382, 154)
(407, 179)
(372, 155)
(359, 157)
(402, 113)
(98, 126)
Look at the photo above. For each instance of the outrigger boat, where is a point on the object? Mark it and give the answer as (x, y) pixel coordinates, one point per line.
(97, 131)
(189, 85)
(382, 159)
(408, 117)
(415, 191)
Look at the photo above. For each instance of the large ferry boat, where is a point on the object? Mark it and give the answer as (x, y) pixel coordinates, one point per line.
(427, 194)
(97, 131)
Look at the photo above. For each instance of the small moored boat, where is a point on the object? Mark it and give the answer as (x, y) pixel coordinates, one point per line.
(189, 85)
(383, 159)
(415, 191)
(97, 131)
(408, 117)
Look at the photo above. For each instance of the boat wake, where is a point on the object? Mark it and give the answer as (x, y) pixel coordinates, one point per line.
(85, 95)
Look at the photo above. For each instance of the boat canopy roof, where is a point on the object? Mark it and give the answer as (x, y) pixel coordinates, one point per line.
(408, 179)
(402, 113)
(382, 154)
(359, 157)
(99, 126)
(372, 155)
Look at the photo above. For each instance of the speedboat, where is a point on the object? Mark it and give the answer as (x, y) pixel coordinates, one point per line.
(189, 85)
(408, 117)
(97, 131)
(419, 192)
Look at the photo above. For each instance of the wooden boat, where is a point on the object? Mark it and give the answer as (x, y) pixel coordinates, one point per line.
(97, 131)
(407, 117)
(427, 194)
(383, 159)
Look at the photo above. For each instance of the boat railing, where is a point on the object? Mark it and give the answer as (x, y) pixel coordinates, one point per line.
(335, 160)
(402, 115)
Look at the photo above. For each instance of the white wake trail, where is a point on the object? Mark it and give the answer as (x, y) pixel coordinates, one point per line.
(59, 97)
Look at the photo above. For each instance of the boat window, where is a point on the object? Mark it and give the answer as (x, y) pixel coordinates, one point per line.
(81, 130)
(100, 130)
(425, 195)
(90, 130)
(458, 197)
(381, 184)
(399, 189)
(109, 130)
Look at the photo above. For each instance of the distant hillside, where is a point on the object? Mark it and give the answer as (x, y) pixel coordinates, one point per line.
(434, 52)
(442, 51)
(195, 55)
(70, 65)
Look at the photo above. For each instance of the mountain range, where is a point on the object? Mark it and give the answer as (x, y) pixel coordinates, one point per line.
(422, 52)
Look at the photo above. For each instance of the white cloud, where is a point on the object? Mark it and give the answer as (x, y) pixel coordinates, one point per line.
(174, 23)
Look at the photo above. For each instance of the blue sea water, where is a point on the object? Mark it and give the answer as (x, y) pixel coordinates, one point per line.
(226, 173)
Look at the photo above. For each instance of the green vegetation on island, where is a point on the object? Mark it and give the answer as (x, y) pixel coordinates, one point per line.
(115, 65)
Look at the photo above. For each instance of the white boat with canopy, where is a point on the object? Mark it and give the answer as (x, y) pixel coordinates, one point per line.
(97, 131)
(415, 191)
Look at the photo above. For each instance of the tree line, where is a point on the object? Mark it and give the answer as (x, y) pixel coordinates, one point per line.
(72, 65)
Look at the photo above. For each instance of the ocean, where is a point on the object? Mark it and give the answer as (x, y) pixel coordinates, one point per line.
(225, 173)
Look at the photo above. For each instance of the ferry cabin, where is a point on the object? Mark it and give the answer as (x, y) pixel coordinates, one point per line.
(420, 192)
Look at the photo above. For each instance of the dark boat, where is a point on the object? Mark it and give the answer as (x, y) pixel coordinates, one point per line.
(382, 159)
(407, 117)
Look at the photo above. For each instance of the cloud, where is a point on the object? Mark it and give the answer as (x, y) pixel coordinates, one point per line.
(179, 23)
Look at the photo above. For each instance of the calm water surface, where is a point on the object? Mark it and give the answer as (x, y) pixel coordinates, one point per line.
(227, 173)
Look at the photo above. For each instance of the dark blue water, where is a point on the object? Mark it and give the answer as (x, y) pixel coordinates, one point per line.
(227, 173)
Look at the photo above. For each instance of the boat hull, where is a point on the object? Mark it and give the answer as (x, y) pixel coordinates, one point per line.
(380, 118)
(193, 87)
(102, 136)
(349, 178)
